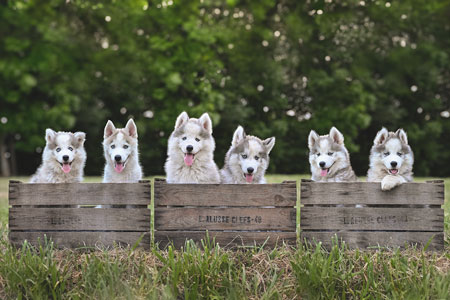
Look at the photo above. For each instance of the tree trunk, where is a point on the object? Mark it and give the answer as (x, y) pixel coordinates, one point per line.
(12, 160)
(4, 163)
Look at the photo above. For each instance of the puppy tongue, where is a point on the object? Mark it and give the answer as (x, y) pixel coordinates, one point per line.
(249, 178)
(118, 167)
(394, 171)
(323, 172)
(189, 159)
(66, 168)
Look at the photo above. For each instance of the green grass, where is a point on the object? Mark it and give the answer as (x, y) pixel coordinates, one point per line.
(208, 272)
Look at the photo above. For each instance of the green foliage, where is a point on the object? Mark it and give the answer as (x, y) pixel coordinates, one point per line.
(279, 68)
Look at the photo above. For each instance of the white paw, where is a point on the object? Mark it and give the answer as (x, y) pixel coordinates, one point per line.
(389, 182)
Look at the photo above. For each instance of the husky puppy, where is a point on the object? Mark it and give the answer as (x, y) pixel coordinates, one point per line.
(247, 159)
(63, 159)
(328, 157)
(190, 157)
(120, 147)
(391, 159)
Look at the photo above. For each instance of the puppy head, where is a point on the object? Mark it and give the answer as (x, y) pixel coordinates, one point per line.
(392, 149)
(119, 144)
(192, 135)
(64, 146)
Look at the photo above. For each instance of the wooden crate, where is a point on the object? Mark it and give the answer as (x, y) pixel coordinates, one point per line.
(409, 214)
(52, 210)
(233, 215)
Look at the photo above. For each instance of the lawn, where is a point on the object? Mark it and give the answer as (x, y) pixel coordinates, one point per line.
(213, 272)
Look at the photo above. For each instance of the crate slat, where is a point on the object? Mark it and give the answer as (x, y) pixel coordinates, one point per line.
(81, 239)
(348, 193)
(225, 218)
(79, 193)
(372, 218)
(364, 239)
(131, 219)
(279, 195)
(225, 239)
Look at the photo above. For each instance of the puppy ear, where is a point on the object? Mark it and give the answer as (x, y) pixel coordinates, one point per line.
(50, 135)
(269, 143)
(238, 136)
(402, 136)
(206, 122)
(381, 137)
(109, 129)
(181, 119)
(312, 139)
(131, 128)
(79, 138)
(337, 136)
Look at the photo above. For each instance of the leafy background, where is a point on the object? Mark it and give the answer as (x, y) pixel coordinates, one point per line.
(279, 68)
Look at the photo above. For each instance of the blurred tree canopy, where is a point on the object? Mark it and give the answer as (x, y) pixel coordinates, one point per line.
(279, 68)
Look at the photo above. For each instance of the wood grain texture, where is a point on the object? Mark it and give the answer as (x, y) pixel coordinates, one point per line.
(371, 218)
(201, 218)
(225, 239)
(79, 193)
(279, 195)
(364, 239)
(131, 219)
(370, 193)
(81, 239)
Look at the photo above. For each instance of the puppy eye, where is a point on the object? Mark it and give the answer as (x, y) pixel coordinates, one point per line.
(184, 138)
(330, 153)
(318, 153)
(70, 148)
(399, 153)
(58, 149)
(386, 153)
(125, 146)
(244, 156)
(113, 146)
(256, 157)
(197, 139)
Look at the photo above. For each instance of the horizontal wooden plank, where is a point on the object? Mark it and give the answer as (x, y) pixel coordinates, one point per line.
(132, 219)
(195, 218)
(371, 218)
(280, 195)
(370, 193)
(364, 239)
(225, 239)
(81, 239)
(79, 193)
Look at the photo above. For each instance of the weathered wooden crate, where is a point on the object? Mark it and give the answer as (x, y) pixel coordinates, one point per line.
(65, 213)
(409, 214)
(233, 215)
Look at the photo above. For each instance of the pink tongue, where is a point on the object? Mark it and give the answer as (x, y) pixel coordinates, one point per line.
(249, 178)
(323, 172)
(66, 168)
(119, 167)
(189, 159)
(394, 171)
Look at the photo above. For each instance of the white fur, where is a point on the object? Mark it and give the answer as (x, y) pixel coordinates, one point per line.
(329, 150)
(58, 145)
(198, 134)
(246, 152)
(388, 154)
(121, 142)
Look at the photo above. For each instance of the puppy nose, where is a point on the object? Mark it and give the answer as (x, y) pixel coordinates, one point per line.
(250, 170)
(393, 164)
(322, 164)
(189, 148)
(66, 157)
(118, 158)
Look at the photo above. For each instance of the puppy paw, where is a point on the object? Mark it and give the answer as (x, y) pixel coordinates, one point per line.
(389, 182)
